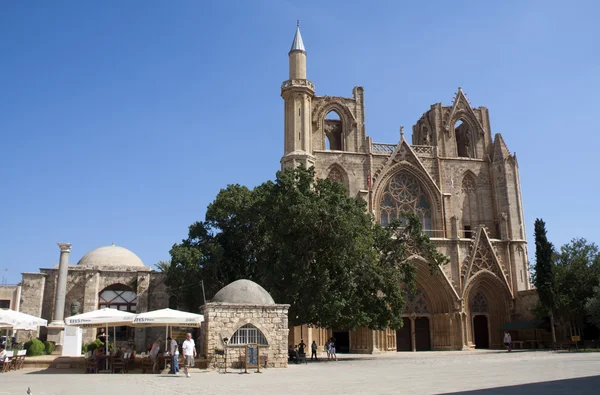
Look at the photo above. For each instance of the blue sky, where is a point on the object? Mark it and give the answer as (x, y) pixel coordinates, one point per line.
(121, 120)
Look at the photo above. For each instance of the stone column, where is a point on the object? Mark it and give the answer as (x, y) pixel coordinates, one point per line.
(57, 326)
(61, 285)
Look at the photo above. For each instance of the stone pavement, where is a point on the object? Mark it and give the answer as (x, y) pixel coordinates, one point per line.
(465, 372)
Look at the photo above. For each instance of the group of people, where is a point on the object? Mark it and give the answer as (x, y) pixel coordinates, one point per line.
(188, 349)
(294, 352)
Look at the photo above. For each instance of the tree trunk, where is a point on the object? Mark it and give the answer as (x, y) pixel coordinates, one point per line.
(552, 329)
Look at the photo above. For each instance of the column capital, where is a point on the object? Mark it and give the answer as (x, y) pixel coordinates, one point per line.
(64, 247)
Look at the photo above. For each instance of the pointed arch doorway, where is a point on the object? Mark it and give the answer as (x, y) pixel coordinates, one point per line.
(481, 331)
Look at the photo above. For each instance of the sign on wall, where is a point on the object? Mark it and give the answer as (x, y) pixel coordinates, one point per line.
(252, 360)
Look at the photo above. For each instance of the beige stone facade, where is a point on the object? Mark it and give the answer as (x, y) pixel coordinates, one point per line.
(130, 286)
(457, 176)
(10, 296)
(244, 313)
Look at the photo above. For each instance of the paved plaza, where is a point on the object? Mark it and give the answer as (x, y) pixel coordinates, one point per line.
(467, 372)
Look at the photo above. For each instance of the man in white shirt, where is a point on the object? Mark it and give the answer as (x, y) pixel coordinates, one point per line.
(174, 350)
(189, 353)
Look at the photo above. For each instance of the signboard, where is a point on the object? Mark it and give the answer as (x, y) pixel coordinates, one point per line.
(575, 338)
(252, 360)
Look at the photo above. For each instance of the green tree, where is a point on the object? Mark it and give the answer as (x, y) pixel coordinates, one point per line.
(162, 266)
(593, 307)
(576, 272)
(309, 245)
(544, 276)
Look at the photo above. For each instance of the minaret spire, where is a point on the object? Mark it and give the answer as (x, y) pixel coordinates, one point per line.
(297, 44)
(297, 92)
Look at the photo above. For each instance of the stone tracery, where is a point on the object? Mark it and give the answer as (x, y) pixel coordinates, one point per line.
(404, 194)
(416, 303)
(479, 304)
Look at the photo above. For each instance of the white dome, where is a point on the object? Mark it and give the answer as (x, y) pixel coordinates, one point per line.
(243, 292)
(111, 256)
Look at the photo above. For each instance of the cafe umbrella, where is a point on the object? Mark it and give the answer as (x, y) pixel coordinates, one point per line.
(168, 318)
(15, 320)
(102, 318)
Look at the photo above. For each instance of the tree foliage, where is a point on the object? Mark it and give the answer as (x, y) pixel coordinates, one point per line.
(577, 272)
(593, 307)
(309, 245)
(544, 276)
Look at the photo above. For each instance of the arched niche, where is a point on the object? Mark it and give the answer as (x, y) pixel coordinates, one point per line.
(333, 130)
(336, 173)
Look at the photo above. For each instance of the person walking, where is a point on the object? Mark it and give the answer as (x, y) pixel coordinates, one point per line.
(189, 353)
(154, 355)
(313, 349)
(174, 350)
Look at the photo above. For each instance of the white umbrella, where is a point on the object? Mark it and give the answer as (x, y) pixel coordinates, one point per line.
(168, 318)
(17, 320)
(101, 318)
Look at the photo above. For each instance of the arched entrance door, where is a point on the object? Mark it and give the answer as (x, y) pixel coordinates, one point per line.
(422, 334)
(403, 342)
(481, 332)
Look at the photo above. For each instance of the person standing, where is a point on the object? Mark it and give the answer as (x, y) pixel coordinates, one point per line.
(313, 349)
(301, 347)
(332, 349)
(189, 353)
(174, 350)
(508, 341)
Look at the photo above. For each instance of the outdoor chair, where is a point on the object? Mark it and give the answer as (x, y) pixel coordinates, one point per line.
(118, 364)
(21, 358)
(91, 365)
(6, 365)
(147, 365)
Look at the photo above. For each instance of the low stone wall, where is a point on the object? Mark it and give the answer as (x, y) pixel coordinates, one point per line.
(224, 319)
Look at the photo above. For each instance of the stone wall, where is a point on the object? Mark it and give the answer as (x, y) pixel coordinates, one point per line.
(10, 294)
(224, 319)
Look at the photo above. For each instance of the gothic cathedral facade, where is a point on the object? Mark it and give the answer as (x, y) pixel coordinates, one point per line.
(460, 180)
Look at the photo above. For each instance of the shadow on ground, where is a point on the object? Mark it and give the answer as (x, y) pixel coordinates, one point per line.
(579, 386)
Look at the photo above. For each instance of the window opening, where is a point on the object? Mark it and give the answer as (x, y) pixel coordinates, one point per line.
(248, 334)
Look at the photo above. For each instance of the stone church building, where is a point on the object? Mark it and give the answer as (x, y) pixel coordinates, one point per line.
(459, 178)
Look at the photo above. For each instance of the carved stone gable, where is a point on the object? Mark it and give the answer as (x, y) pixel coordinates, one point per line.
(483, 257)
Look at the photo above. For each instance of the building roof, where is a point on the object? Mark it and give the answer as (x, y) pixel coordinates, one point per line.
(298, 45)
(243, 292)
(111, 256)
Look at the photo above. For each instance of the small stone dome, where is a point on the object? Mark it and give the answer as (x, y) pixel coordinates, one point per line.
(111, 256)
(243, 292)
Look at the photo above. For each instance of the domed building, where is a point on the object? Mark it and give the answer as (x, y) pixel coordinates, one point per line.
(244, 313)
(109, 276)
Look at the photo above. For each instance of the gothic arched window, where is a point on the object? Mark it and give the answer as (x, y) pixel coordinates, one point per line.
(403, 193)
(248, 334)
(480, 304)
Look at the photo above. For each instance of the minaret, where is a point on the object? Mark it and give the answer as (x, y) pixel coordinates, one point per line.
(297, 92)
